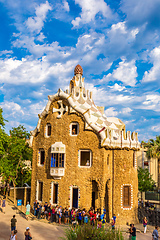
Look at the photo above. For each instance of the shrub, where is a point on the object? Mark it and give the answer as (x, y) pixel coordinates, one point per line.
(88, 232)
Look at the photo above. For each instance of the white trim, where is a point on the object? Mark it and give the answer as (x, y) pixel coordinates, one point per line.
(71, 195)
(37, 190)
(125, 208)
(46, 130)
(79, 160)
(39, 157)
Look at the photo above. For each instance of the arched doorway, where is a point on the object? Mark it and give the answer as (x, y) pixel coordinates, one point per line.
(106, 203)
(94, 202)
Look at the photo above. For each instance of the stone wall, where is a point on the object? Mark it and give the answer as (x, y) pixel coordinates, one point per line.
(110, 168)
(21, 193)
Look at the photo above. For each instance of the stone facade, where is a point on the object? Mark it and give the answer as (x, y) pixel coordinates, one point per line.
(97, 170)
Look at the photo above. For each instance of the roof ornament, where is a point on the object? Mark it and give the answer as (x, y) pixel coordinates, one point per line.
(78, 70)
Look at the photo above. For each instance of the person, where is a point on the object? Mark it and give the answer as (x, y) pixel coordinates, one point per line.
(142, 204)
(133, 232)
(112, 223)
(39, 209)
(155, 234)
(104, 211)
(27, 234)
(103, 222)
(53, 215)
(79, 217)
(13, 223)
(60, 214)
(66, 216)
(130, 232)
(73, 131)
(86, 218)
(114, 218)
(145, 224)
(87, 163)
(13, 235)
(147, 204)
(35, 206)
(99, 222)
(28, 207)
(3, 205)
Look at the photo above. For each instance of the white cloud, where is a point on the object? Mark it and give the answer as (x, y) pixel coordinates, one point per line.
(111, 112)
(35, 24)
(33, 71)
(156, 128)
(41, 37)
(117, 87)
(154, 73)
(126, 73)
(120, 30)
(37, 108)
(90, 8)
(126, 111)
(151, 102)
(66, 6)
(12, 109)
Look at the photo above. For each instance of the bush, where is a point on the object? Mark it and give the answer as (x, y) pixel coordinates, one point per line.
(88, 232)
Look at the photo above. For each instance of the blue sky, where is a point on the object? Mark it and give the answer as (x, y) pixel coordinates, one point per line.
(116, 42)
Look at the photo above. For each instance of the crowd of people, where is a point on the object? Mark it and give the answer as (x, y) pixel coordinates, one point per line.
(74, 216)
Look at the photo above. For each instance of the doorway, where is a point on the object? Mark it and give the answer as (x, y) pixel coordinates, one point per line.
(75, 197)
(93, 199)
(94, 202)
(40, 190)
(106, 203)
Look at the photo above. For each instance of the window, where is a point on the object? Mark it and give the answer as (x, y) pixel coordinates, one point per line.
(57, 160)
(48, 130)
(127, 196)
(74, 129)
(108, 159)
(41, 157)
(85, 158)
(54, 193)
(134, 158)
(40, 190)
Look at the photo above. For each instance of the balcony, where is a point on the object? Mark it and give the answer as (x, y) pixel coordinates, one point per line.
(57, 172)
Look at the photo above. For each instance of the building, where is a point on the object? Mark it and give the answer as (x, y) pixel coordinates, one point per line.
(151, 164)
(81, 158)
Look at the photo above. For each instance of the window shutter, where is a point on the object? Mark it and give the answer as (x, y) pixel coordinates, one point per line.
(126, 196)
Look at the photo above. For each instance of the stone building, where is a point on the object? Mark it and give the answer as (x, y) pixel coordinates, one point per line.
(81, 158)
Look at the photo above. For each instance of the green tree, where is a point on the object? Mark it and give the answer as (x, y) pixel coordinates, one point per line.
(3, 136)
(153, 151)
(145, 181)
(13, 162)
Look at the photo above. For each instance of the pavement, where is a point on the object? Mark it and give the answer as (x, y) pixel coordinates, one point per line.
(42, 230)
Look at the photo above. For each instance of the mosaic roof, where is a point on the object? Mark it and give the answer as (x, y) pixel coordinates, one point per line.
(111, 130)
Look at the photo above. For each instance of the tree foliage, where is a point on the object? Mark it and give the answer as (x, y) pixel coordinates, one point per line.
(145, 181)
(3, 135)
(153, 147)
(14, 151)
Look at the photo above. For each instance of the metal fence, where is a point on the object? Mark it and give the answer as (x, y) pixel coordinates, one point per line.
(152, 196)
(153, 216)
